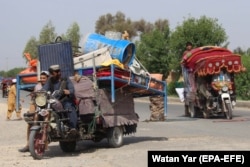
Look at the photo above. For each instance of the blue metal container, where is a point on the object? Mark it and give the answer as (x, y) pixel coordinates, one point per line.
(123, 50)
(57, 53)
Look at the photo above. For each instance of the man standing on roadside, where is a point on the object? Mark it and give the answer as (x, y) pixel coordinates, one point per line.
(12, 102)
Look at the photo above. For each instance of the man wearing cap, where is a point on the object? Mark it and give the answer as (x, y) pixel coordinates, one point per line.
(44, 75)
(56, 82)
(12, 102)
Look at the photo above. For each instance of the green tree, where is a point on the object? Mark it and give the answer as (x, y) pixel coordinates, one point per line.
(242, 80)
(3, 74)
(142, 26)
(13, 72)
(47, 35)
(239, 51)
(73, 34)
(152, 49)
(31, 47)
(117, 23)
(202, 31)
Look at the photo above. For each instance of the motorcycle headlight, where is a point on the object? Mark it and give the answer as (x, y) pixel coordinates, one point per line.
(43, 112)
(224, 88)
(40, 99)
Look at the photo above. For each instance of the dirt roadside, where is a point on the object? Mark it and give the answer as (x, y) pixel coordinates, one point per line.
(87, 153)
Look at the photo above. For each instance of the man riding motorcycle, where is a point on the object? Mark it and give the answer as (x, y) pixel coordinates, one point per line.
(66, 97)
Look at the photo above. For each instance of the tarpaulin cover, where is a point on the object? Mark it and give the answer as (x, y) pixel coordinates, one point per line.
(121, 112)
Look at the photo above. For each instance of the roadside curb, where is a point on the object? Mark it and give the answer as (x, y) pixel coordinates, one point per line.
(240, 103)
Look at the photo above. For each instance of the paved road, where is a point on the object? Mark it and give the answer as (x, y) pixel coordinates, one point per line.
(177, 133)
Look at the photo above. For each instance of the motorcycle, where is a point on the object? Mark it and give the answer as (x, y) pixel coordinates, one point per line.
(215, 96)
(224, 94)
(50, 125)
(209, 81)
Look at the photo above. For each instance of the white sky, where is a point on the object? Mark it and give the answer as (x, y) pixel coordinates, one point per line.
(22, 19)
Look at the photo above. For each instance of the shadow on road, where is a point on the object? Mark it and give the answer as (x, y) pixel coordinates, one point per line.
(85, 147)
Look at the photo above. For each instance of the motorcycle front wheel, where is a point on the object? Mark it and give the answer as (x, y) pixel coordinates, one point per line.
(36, 145)
(229, 112)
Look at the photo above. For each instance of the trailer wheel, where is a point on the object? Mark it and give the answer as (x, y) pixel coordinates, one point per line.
(115, 136)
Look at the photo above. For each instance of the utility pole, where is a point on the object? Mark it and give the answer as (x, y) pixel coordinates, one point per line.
(7, 64)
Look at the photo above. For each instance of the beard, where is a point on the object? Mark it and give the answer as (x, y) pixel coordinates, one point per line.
(56, 78)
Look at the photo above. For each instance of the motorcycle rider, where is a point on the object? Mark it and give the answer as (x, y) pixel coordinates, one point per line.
(222, 76)
(204, 87)
(44, 75)
(56, 82)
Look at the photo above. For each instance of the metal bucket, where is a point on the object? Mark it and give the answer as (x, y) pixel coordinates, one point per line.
(123, 50)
